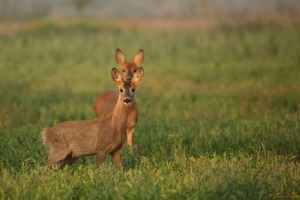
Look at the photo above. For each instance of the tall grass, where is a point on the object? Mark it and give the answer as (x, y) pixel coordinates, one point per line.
(219, 111)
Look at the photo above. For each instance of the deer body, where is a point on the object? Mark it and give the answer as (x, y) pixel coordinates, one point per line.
(102, 136)
(105, 103)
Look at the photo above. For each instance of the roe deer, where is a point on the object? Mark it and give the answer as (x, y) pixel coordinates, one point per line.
(102, 136)
(105, 103)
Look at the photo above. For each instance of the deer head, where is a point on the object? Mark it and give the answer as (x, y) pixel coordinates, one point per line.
(129, 68)
(127, 87)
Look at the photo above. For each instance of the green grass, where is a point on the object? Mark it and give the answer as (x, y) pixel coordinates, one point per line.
(219, 111)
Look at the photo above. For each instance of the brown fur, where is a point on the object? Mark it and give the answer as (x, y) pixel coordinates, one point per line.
(102, 136)
(105, 103)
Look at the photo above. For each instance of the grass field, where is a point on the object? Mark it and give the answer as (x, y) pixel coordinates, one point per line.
(219, 111)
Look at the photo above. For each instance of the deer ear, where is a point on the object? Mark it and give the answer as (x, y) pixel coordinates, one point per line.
(139, 57)
(138, 76)
(120, 57)
(116, 76)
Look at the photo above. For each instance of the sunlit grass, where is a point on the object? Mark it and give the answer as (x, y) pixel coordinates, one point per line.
(219, 111)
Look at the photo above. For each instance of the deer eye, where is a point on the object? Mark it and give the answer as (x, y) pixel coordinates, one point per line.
(133, 89)
(123, 71)
(134, 70)
(121, 90)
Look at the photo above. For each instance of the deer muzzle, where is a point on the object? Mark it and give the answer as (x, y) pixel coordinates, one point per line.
(127, 101)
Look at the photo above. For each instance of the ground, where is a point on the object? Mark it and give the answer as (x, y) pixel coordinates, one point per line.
(219, 110)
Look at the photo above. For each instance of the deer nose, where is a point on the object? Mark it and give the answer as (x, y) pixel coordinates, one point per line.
(127, 100)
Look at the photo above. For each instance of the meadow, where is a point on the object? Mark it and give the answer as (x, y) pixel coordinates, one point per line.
(219, 111)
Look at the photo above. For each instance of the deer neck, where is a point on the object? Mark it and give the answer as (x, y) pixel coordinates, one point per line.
(120, 115)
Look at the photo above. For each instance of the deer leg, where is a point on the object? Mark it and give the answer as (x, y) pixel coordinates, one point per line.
(68, 160)
(100, 159)
(129, 136)
(116, 158)
(55, 158)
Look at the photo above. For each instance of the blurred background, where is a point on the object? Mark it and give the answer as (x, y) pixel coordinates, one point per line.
(212, 10)
(221, 89)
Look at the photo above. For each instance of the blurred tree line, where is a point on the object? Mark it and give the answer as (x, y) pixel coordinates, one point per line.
(144, 9)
